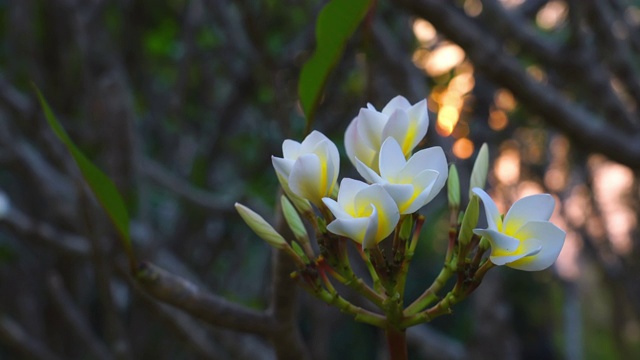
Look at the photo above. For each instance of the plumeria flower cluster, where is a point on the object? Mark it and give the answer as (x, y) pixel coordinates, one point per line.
(379, 144)
(397, 182)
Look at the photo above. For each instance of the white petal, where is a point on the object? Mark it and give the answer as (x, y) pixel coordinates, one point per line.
(306, 178)
(529, 250)
(347, 194)
(370, 125)
(400, 193)
(419, 115)
(391, 159)
(371, 107)
(423, 186)
(430, 181)
(531, 208)
(398, 102)
(368, 174)
(355, 148)
(494, 222)
(432, 158)
(550, 237)
(282, 166)
(290, 149)
(388, 213)
(311, 142)
(353, 228)
(398, 127)
(371, 237)
(330, 158)
(336, 209)
(500, 243)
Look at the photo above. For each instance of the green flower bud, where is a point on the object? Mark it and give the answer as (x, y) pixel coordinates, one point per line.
(469, 221)
(480, 169)
(453, 187)
(265, 231)
(294, 221)
(406, 227)
(299, 252)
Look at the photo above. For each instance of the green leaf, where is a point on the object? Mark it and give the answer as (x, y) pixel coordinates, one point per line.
(337, 21)
(103, 188)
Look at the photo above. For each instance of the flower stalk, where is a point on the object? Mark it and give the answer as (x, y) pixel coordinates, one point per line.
(384, 207)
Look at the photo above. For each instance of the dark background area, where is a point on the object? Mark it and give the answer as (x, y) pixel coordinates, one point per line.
(182, 103)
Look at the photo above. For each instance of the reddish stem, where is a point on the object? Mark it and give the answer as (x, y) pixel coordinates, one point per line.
(397, 341)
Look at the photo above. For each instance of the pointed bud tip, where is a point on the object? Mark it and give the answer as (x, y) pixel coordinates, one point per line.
(480, 168)
(261, 227)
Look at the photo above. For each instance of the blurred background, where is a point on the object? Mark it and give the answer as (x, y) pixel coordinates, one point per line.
(182, 103)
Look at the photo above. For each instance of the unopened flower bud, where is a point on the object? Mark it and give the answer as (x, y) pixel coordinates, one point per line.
(453, 187)
(480, 169)
(469, 221)
(265, 231)
(294, 221)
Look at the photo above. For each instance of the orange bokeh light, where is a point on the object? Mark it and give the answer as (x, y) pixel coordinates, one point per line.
(447, 119)
(498, 120)
(463, 148)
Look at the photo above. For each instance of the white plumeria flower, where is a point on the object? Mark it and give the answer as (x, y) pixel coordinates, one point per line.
(309, 169)
(364, 213)
(525, 240)
(413, 183)
(399, 119)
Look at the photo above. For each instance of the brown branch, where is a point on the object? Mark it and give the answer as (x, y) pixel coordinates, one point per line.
(408, 77)
(185, 327)
(12, 334)
(213, 309)
(217, 203)
(102, 268)
(623, 61)
(44, 233)
(585, 68)
(286, 338)
(15, 100)
(76, 321)
(512, 26)
(488, 56)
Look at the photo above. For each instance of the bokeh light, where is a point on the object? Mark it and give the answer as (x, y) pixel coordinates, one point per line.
(552, 15)
(463, 148)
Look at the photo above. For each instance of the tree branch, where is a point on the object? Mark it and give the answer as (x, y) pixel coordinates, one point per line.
(12, 334)
(487, 55)
(213, 309)
(76, 320)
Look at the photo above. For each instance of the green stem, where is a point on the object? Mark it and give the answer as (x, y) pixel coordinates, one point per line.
(358, 313)
(431, 294)
(381, 268)
(351, 280)
(441, 308)
(416, 233)
(397, 341)
(401, 279)
(453, 233)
